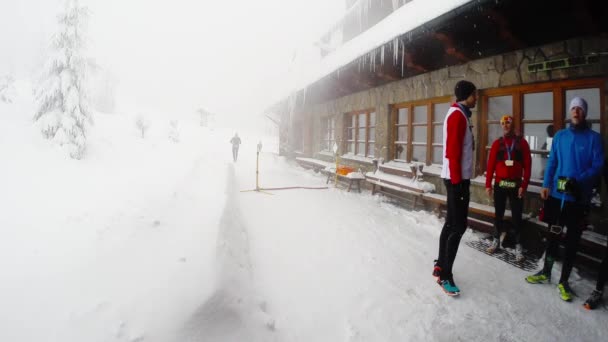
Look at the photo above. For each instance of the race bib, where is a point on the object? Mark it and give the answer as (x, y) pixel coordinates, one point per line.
(561, 184)
(507, 184)
(508, 162)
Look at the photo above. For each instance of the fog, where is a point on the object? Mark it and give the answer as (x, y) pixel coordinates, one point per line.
(170, 57)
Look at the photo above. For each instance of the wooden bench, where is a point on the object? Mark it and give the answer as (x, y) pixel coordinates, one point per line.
(315, 164)
(350, 179)
(396, 186)
(482, 218)
(592, 244)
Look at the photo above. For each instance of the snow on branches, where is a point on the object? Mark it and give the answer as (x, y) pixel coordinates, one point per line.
(63, 112)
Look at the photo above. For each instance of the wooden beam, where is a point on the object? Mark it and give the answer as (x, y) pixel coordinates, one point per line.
(449, 46)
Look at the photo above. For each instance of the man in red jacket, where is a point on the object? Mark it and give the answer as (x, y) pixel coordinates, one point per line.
(457, 170)
(510, 160)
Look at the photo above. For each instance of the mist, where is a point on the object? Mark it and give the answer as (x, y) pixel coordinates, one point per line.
(169, 58)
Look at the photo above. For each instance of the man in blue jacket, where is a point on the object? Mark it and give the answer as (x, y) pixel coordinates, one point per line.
(573, 169)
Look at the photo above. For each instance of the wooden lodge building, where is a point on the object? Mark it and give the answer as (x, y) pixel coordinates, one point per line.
(385, 103)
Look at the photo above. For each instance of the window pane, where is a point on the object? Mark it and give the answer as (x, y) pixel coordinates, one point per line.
(361, 149)
(420, 114)
(439, 111)
(362, 120)
(361, 136)
(438, 155)
(401, 152)
(402, 133)
(499, 106)
(438, 134)
(353, 121)
(591, 95)
(539, 163)
(402, 118)
(419, 134)
(494, 132)
(596, 127)
(370, 149)
(351, 147)
(350, 134)
(536, 135)
(372, 119)
(419, 154)
(372, 134)
(538, 106)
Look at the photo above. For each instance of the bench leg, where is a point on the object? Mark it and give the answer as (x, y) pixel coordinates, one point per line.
(350, 184)
(358, 185)
(327, 181)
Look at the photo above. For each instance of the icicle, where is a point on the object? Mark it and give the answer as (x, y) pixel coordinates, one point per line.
(382, 55)
(304, 96)
(402, 60)
(395, 50)
(372, 60)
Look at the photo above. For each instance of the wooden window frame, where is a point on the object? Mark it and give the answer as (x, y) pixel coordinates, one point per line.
(430, 124)
(329, 127)
(356, 139)
(560, 114)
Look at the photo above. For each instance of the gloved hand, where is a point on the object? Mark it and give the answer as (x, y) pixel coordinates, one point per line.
(571, 186)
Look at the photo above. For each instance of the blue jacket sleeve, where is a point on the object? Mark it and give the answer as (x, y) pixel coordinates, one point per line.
(591, 175)
(551, 164)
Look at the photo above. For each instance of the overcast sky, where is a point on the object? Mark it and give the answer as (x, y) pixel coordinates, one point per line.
(177, 55)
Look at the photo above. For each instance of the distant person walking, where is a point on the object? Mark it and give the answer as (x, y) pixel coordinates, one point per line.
(457, 170)
(236, 142)
(573, 169)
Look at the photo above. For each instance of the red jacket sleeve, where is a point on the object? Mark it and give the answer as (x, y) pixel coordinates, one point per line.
(491, 163)
(525, 150)
(457, 125)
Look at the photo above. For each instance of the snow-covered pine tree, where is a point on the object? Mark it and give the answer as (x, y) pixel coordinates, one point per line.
(63, 112)
(7, 89)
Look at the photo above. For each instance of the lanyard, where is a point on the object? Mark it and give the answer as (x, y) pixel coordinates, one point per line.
(510, 148)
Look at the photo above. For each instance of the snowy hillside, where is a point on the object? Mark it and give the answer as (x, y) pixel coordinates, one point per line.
(151, 240)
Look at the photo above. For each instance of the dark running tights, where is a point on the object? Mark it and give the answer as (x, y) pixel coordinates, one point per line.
(458, 197)
(500, 203)
(571, 217)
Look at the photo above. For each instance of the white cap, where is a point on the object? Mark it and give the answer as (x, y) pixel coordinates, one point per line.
(579, 102)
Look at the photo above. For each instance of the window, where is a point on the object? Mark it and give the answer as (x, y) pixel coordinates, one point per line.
(419, 133)
(400, 134)
(539, 111)
(538, 129)
(417, 130)
(361, 133)
(497, 107)
(329, 134)
(439, 112)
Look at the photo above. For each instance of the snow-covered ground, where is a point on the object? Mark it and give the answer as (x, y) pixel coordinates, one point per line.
(152, 240)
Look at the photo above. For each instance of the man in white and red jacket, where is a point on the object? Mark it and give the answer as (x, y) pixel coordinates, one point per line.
(510, 159)
(458, 146)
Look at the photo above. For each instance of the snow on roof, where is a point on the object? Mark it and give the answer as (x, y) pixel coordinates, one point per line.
(403, 20)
